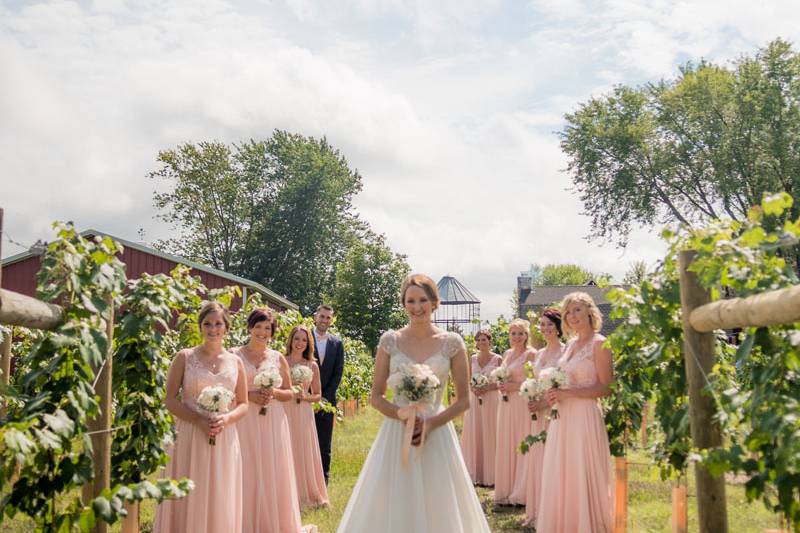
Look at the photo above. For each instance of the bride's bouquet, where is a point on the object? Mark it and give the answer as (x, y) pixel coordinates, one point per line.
(301, 376)
(501, 374)
(418, 384)
(215, 399)
(267, 379)
(415, 382)
(532, 390)
(553, 378)
(478, 381)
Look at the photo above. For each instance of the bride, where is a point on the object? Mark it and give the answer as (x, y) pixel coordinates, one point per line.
(428, 490)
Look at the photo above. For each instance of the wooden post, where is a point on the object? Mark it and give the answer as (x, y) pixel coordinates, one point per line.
(620, 494)
(5, 356)
(101, 426)
(643, 428)
(698, 354)
(130, 524)
(680, 509)
(20, 310)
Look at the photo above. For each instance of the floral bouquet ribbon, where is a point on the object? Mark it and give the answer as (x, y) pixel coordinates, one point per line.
(418, 384)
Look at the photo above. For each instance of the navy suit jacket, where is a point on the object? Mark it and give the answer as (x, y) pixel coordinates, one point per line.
(330, 372)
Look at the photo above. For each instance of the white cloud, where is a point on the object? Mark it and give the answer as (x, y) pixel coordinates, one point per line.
(447, 108)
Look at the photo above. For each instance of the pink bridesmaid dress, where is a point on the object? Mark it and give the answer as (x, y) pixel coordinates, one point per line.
(513, 425)
(535, 455)
(311, 489)
(576, 471)
(270, 502)
(478, 438)
(215, 504)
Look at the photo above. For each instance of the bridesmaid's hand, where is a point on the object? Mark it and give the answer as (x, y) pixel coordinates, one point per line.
(553, 396)
(260, 396)
(216, 423)
(506, 387)
(533, 406)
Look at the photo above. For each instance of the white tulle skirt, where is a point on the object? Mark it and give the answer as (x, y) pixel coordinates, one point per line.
(433, 494)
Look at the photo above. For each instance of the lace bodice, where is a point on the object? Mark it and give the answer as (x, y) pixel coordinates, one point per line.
(439, 361)
(493, 363)
(516, 363)
(272, 359)
(546, 360)
(579, 366)
(197, 376)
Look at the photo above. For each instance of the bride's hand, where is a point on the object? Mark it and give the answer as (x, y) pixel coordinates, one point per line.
(419, 425)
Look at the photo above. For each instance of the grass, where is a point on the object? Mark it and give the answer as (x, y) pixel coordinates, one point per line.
(649, 507)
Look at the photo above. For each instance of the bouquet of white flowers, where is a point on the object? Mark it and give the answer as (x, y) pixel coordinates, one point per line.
(415, 382)
(418, 384)
(478, 381)
(501, 374)
(267, 379)
(301, 376)
(553, 378)
(215, 399)
(532, 390)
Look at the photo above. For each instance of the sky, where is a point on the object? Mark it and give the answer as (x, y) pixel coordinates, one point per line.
(448, 109)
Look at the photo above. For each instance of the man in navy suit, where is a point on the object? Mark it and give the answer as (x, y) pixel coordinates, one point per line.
(330, 358)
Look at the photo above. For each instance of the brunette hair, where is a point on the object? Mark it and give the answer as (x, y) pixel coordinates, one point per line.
(595, 317)
(308, 353)
(262, 314)
(486, 333)
(212, 307)
(554, 316)
(423, 282)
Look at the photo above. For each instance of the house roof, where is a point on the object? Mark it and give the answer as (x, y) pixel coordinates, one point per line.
(451, 291)
(176, 259)
(549, 294)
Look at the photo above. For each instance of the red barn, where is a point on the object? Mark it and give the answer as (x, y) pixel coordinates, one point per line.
(19, 271)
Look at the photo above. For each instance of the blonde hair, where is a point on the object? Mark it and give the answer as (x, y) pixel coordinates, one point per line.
(523, 325)
(595, 317)
(423, 282)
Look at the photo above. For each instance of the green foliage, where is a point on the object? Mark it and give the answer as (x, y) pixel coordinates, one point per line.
(755, 386)
(141, 362)
(567, 274)
(359, 366)
(278, 211)
(707, 144)
(366, 292)
(44, 434)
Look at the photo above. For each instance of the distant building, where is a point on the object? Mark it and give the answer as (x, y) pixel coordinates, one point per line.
(537, 297)
(19, 271)
(459, 309)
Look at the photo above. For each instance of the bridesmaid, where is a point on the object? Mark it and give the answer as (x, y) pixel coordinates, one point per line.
(270, 502)
(480, 421)
(550, 328)
(215, 504)
(577, 492)
(513, 420)
(311, 488)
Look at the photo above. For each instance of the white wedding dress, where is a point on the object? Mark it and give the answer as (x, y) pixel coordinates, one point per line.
(433, 493)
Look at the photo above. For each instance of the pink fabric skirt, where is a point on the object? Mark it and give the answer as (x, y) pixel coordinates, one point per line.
(215, 504)
(311, 489)
(576, 472)
(479, 438)
(510, 472)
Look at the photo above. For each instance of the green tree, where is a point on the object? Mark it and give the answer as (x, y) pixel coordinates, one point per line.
(278, 211)
(711, 142)
(567, 274)
(635, 274)
(367, 288)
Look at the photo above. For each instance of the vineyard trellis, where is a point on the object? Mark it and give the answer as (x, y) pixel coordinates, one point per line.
(723, 408)
(55, 435)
